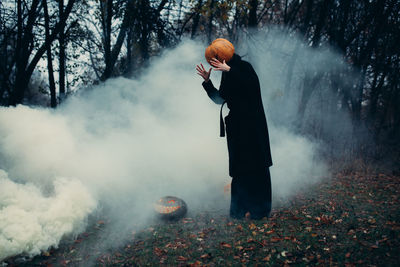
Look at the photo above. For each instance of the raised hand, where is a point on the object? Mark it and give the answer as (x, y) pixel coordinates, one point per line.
(218, 65)
(203, 73)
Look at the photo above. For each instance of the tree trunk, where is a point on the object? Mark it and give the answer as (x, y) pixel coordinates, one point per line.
(210, 21)
(306, 23)
(323, 14)
(309, 86)
(129, 45)
(291, 65)
(343, 23)
(144, 30)
(52, 85)
(253, 5)
(357, 101)
(196, 19)
(61, 57)
(24, 39)
(106, 9)
(375, 92)
(24, 70)
(110, 63)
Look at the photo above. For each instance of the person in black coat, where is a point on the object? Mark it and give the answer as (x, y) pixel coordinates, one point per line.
(247, 135)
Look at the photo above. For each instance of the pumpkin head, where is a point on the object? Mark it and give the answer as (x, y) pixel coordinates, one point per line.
(221, 49)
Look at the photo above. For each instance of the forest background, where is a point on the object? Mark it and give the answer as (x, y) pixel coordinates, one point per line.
(52, 49)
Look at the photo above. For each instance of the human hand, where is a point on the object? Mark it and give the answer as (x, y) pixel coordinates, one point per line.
(219, 66)
(203, 73)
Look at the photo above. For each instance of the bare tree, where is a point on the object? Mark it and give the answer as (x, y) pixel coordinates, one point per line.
(24, 67)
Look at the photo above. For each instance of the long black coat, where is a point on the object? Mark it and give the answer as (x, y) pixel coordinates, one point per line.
(246, 125)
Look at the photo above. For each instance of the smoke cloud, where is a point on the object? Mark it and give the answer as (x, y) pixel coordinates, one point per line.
(31, 222)
(117, 147)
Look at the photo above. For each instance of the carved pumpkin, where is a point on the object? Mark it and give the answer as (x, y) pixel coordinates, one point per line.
(221, 49)
(170, 208)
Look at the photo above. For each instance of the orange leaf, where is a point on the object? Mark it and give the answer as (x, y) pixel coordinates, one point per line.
(275, 239)
(267, 258)
(196, 263)
(225, 245)
(159, 252)
(181, 258)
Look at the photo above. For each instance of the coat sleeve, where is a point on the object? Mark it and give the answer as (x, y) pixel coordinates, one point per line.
(212, 92)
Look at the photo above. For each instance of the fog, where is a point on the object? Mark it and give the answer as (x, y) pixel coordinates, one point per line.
(115, 148)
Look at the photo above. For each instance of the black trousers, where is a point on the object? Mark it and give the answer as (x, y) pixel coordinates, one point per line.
(251, 192)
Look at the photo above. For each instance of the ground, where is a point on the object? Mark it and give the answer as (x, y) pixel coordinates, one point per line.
(351, 219)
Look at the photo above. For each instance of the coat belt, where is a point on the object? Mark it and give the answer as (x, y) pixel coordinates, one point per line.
(221, 122)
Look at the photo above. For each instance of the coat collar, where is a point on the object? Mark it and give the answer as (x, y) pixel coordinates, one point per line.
(234, 60)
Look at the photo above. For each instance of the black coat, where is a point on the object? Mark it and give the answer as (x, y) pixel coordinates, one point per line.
(246, 125)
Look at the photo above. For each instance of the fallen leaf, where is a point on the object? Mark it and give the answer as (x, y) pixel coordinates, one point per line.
(187, 220)
(275, 239)
(225, 245)
(196, 263)
(163, 259)
(159, 252)
(181, 258)
(267, 258)
(65, 262)
(348, 255)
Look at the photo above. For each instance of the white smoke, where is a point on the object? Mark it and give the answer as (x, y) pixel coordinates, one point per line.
(31, 222)
(123, 144)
